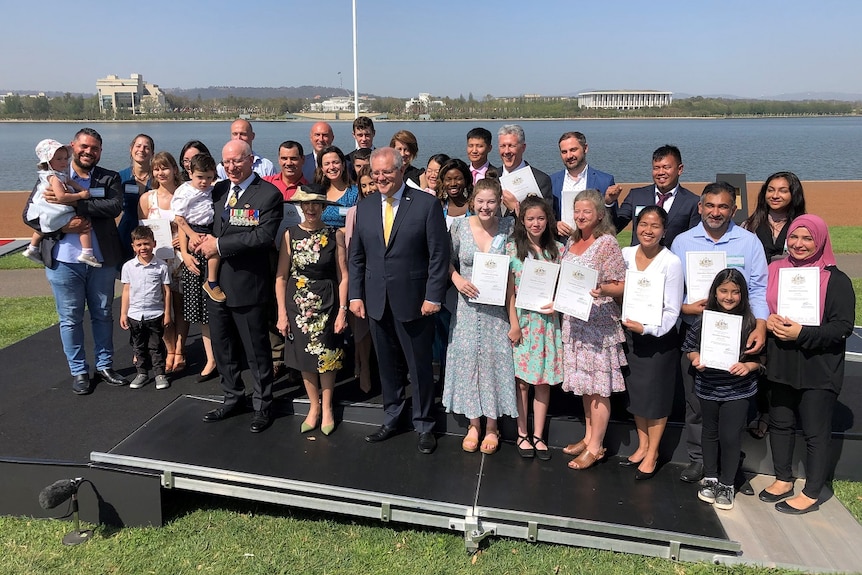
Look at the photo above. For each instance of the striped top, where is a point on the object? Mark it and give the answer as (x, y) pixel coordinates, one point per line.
(717, 384)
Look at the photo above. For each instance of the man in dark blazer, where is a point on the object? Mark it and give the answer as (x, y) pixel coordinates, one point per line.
(248, 212)
(320, 137)
(680, 203)
(511, 143)
(399, 282)
(577, 174)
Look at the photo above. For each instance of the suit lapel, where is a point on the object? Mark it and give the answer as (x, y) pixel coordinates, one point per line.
(403, 206)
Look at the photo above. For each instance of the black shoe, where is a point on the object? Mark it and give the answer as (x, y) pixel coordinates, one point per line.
(223, 413)
(81, 384)
(643, 475)
(525, 452)
(111, 377)
(427, 442)
(693, 473)
(382, 434)
(629, 463)
(208, 376)
(785, 507)
(746, 488)
(768, 497)
(261, 420)
(541, 454)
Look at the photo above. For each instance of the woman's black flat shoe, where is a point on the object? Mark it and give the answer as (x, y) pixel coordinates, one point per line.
(543, 454)
(525, 452)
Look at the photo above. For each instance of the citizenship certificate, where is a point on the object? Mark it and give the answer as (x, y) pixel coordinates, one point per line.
(700, 269)
(536, 288)
(521, 183)
(799, 294)
(573, 290)
(164, 238)
(643, 297)
(720, 339)
(490, 276)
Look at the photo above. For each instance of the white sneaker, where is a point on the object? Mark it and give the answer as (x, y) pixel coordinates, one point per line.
(33, 254)
(140, 381)
(162, 382)
(89, 260)
(708, 491)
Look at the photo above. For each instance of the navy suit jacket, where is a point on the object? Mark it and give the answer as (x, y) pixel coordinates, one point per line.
(413, 268)
(309, 166)
(245, 273)
(596, 180)
(683, 214)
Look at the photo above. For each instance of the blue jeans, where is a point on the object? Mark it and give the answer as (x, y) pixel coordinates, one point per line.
(75, 285)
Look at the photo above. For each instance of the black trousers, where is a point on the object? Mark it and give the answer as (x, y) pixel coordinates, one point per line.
(240, 337)
(396, 343)
(693, 419)
(814, 409)
(723, 423)
(148, 345)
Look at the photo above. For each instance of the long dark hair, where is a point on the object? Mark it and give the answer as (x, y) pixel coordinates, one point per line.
(761, 212)
(320, 177)
(197, 145)
(547, 243)
(743, 308)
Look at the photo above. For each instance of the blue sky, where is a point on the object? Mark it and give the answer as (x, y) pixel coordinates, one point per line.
(747, 48)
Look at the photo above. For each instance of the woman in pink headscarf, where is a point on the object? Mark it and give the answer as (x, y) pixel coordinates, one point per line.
(805, 366)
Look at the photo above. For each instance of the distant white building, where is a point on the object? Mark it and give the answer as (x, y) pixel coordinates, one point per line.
(336, 104)
(625, 99)
(129, 94)
(423, 102)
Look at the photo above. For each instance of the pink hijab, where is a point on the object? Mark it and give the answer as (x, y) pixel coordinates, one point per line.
(822, 257)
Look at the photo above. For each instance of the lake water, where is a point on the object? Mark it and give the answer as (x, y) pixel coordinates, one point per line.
(828, 148)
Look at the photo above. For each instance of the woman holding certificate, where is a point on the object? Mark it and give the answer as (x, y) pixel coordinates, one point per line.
(480, 374)
(654, 275)
(593, 354)
(806, 358)
(538, 359)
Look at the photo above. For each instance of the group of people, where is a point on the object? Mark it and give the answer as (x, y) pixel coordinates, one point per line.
(278, 266)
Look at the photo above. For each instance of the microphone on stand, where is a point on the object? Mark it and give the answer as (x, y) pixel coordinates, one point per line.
(57, 493)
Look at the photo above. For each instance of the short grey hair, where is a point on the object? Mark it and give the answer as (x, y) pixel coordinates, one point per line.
(512, 130)
(389, 152)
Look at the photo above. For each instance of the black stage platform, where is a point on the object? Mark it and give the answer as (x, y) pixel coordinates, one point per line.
(134, 444)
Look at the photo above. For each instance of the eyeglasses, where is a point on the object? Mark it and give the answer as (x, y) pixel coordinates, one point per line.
(238, 162)
(377, 173)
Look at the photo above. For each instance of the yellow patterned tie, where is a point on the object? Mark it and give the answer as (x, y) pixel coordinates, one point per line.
(388, 218)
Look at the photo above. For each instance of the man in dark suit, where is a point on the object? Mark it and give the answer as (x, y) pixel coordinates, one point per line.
(679, 203)
(320, 136)
(577, 176)
(248, 213)
(511, 142)
(399, 264)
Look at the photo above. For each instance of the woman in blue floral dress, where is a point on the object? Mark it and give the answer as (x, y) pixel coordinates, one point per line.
(311, 291)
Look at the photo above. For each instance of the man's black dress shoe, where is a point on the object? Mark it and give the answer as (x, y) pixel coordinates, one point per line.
(768, 497)
(111, 377)
(785, 507)
(427, 442)
(692, 473)
(382, 434)
(81, 384)
(223, 413)
(260, 421)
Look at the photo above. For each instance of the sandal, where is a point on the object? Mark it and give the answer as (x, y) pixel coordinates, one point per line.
(543, 454)
(586, 459)
(490, 447)
(759, 430)
(179, 364)
(470, 444)
(170, 362)
(525, 452)
(575, 449)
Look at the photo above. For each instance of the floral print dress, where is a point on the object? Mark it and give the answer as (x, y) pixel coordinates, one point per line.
(312, 302)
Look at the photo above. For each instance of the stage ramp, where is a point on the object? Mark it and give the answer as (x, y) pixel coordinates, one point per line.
(476, 495)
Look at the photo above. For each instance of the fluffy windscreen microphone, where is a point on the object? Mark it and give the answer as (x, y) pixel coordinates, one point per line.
(58, 492)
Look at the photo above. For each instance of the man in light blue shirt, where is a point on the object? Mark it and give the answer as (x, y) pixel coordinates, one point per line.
(241, 130)
(717, 232)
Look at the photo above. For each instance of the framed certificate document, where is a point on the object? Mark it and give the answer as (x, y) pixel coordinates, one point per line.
(490, 276)
(799, 295)
(521, 183)
(164, 238)
(700, 269)
(573, 290)
(643, 297)
(720, 339)
(536, 288)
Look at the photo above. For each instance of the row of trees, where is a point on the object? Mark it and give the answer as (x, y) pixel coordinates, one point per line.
(69, 107)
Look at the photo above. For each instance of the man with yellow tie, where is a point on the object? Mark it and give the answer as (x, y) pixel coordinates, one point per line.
(398, 264)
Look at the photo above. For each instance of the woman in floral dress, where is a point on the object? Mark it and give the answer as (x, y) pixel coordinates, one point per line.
(593, 352)
(538, 358)
(311, 291)
(480, 375)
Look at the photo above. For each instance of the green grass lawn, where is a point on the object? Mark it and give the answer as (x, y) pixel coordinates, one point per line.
(21, 317)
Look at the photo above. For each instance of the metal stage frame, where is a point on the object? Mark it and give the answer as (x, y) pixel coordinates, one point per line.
(347, 485)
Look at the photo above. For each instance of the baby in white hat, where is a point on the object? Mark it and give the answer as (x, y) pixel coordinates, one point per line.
(53, 171)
